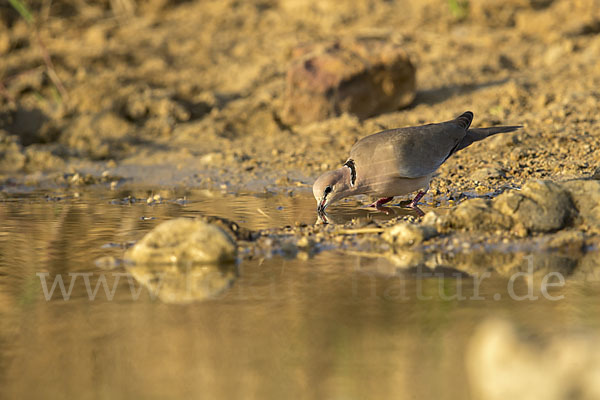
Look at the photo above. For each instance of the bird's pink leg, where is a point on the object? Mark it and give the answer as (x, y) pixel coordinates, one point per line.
(380, 202)
(414, 204)
(417, 198)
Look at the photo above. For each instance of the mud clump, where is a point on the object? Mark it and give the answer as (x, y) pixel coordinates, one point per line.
(477, 214)
(541, 206)
(586, 197)
(11, 154)
(98, 136)
(184, 241)
(360, 77)
(408, 234)
(16, 158)
(184, 260)
(40, 158)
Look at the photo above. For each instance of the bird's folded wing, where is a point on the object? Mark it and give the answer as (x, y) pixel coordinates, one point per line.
(407, 152)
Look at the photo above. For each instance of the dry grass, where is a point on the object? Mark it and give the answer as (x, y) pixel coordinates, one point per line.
(23, 10)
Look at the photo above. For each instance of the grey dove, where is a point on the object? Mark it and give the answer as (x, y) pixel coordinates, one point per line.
(399, 161)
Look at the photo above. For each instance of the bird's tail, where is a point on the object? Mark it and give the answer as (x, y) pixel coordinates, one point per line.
(477, 134)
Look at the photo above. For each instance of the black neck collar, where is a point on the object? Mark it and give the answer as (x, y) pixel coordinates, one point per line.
(350, 164)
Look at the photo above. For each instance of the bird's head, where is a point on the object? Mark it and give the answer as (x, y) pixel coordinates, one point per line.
(331, 187)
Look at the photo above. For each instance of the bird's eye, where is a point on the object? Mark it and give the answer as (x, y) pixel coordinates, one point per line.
(328, 190)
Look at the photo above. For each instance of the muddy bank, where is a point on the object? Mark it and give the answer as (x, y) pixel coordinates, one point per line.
(547, 227)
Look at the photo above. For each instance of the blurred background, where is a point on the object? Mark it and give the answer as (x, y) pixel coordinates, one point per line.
(285, 87)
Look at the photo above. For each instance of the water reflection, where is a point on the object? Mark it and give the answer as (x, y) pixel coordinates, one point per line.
(334, 326)
(181, 284)
(347, 211)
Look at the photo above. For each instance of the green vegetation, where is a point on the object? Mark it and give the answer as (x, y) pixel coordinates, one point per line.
(459, 8)
(22, 10)
(60, 90)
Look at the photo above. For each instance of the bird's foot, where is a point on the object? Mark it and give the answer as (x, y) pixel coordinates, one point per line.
(379, 203)
(414, 204)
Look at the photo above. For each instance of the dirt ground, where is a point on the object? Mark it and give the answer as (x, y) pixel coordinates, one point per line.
(190, 92)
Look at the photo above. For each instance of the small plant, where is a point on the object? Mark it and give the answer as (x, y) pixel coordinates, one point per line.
(459, 8)
(24, 12)
(21, 8)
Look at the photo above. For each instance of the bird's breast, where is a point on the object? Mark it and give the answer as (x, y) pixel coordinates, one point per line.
(390, 186)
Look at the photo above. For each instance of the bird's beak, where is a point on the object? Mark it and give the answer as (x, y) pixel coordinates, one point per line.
(321, 205)
(321, 214)
(322, 218)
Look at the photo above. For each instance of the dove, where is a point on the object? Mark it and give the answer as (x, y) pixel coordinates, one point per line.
(399, 161)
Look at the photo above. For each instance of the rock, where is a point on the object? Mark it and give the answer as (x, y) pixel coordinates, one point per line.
(360, 77)
(12, 158)
(432, 219)
(586, 197)
(184, 241)
(502, 365)
(408, 234)
(541, 206)
(231, 227)
(483, 174)
(305, 244)
(556, 52)
(477, 214)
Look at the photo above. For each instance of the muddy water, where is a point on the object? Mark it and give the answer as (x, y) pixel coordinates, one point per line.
(337, 325)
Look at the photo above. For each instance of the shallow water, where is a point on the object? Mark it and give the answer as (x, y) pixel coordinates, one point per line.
(334, 326)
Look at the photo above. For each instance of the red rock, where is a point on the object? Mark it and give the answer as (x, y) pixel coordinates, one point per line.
(361, 77)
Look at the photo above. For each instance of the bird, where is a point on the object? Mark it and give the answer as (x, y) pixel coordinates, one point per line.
(399, 161)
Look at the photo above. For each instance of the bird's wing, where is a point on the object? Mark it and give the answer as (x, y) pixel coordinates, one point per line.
(409, 152)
